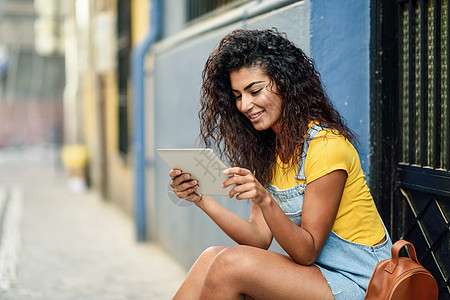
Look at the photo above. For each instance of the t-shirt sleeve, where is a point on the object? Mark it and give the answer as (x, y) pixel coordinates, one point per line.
(327, 153)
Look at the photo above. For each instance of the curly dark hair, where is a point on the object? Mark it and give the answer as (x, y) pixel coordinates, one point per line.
(223, 127)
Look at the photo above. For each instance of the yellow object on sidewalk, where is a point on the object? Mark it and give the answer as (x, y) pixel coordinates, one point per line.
(74, 156)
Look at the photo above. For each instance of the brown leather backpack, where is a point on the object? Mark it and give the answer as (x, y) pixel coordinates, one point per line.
(401, 278)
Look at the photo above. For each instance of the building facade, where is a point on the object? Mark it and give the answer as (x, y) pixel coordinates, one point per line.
(31, 82)
(383, 64)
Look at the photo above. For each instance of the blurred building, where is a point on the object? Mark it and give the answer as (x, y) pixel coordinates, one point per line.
(133, 71)
(31, 84)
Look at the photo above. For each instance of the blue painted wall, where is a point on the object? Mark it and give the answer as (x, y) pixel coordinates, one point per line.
(340, 36)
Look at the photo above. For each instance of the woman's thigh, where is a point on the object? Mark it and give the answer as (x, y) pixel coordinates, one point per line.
(195, 279)
(261, 274)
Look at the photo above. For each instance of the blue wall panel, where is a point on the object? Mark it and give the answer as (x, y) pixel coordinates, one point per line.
(340, 36)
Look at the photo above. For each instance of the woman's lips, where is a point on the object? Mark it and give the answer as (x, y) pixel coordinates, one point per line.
(255, 117)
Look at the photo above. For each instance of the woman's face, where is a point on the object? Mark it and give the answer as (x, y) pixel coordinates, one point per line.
(256, 97)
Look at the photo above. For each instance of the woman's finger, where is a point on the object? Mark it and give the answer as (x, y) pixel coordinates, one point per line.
(185, 185)
(236, 171)
(180, 179)
(238, 179)
(183, 194)
(174, 173)
(246, 195)
(190, 194)
(242, 189)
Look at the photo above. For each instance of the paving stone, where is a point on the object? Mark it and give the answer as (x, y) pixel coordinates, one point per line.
(81, 247)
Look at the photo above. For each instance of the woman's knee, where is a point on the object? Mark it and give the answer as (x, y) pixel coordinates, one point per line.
(231, 263)
(208, 256)
(210, 253)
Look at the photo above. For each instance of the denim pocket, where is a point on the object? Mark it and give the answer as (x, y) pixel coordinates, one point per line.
(290, 201)
(293, 210)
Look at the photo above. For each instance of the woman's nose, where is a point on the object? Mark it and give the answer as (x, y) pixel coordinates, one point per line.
(246, 102)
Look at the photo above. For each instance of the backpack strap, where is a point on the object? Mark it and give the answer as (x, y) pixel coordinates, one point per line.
(395, 251)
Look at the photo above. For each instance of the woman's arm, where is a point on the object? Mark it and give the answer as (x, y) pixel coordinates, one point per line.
(320, 206)
(253, 232)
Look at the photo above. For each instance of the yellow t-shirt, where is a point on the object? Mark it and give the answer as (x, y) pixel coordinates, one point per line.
(357, 219)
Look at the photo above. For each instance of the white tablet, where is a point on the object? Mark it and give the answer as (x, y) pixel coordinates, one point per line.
(202, 164)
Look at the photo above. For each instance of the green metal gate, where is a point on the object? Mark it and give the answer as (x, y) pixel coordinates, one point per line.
(411, 145)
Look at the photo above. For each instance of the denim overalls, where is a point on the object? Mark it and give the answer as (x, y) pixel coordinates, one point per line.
(347, 266)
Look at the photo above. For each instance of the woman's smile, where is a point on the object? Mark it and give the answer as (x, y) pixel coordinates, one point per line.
(255, 117)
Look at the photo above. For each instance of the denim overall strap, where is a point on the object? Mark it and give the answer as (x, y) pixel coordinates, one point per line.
(346, 266)
(291, 200)
(301, 164)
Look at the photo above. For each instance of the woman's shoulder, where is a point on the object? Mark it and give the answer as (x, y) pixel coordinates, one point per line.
(327, 136)
(324, 134)
(329, 147)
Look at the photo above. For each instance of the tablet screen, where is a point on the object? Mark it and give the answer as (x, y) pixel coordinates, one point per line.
(203, 165)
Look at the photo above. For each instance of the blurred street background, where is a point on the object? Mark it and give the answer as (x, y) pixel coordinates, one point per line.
(59, 239)
(55, 244)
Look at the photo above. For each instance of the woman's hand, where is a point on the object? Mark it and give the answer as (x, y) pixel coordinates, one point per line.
(247, 186)
(183, 187)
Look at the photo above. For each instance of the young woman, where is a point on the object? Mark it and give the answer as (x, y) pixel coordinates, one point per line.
(264, 108)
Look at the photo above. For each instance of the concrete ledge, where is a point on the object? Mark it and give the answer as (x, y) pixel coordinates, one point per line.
(11, 211)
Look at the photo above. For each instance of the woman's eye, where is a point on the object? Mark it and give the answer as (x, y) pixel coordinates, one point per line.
(237, 97)
(256, 92)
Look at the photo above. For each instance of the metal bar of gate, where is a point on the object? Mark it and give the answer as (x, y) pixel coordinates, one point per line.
(423, 83)
(411, 83)
(437, 85)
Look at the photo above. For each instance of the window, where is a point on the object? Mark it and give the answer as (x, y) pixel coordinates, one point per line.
(198, 8)
(410, 111)
(424, 91)
(424, 144)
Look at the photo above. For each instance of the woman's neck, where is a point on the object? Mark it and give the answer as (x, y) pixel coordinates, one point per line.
(281, 152)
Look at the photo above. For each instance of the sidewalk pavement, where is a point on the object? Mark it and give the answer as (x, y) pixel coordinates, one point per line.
(56, 246)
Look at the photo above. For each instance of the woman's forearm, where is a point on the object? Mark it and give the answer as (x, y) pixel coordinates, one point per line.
(319, 210)
(242, 231)
(296, 241)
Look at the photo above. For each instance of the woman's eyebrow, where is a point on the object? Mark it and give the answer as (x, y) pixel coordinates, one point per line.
(248, 86)
(251, 84)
